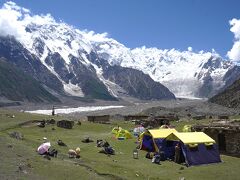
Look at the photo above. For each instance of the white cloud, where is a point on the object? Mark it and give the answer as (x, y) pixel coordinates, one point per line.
(234, 53)
(9, 20)
(92, 36)
(39, 20)
(190, 48)
(14, 19)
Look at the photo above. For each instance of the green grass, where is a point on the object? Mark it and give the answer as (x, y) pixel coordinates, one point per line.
(91, 165)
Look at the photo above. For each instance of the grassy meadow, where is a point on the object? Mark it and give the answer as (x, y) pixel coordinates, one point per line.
(19, 159)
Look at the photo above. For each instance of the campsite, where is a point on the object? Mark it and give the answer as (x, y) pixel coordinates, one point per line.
(19, 158)
(119, 90)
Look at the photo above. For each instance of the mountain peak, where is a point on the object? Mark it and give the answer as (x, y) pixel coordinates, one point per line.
(183, 72)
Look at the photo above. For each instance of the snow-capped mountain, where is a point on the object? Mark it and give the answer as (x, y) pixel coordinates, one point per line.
(63, 59)
(83, 63)
(186, 74)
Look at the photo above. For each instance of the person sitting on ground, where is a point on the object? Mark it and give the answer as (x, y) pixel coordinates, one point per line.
(106, 144)
(101, 143)
(52, 153)
(72, 153)
(156, 158)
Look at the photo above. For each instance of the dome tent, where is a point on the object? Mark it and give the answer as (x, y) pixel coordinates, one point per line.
(123, 134)
(115, 130)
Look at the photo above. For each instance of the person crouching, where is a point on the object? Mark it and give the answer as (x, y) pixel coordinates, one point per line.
(74, 153)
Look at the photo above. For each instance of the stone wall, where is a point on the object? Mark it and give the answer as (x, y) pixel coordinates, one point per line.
(232, 139)
(65, 124)
(200, 117)
(99, 119)
(233, 143)
(135, 117)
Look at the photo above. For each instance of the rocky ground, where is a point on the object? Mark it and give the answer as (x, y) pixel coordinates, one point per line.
(180, 107)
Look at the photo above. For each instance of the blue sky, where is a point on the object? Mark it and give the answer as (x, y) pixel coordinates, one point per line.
(201, 24)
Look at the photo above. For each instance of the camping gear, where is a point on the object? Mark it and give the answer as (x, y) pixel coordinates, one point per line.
(45, 139)
(107, 150)
(61, 143)
(123, 134)
(43, 148)
(152, 140)
(196, 148)
(138, 130)
(156, 158)
(41, 124)
(135, 154)
(101, 143)
(87, 140)
(52, 153)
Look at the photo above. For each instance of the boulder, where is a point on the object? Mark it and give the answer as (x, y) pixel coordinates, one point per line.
(51, 121)
(16, 135)
(65, 124)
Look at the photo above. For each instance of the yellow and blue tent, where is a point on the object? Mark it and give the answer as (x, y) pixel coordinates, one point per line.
(115, 130)
(196, 147)
(152, 140)
(123, 134)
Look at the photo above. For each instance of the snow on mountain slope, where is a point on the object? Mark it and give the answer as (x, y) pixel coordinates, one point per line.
(65, 52)
(184, 73)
